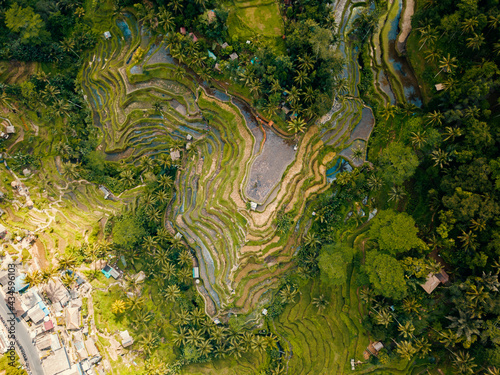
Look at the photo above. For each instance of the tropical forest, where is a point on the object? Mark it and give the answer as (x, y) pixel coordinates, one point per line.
(250, 187)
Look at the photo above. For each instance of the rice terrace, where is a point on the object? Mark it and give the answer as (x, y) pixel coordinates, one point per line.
(250, 187)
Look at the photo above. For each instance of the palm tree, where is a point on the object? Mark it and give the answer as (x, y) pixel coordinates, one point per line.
(51, 92)
(259, 344)
(204, 347)
(176, 5)
(477, 294)
(320, 302)
(278, 370)
(180, 337)
(179, 73)
(118, 307)
(66, 261)
(255, 88)
(149, 243)
(387, 112)
(127, 177)
(312, 240)
(450, 338)
(247, 76)
(34, 278)
(135, 303)
(396, 193)
(468, 240)
(432, 56)
(288, 294)
(494, 20)
(61, 109)
(163, 236)
(68, 279)
(341, 86)
(406, 330)
(447, 64)
(357, 153)
(435, 118)
(469, 24)
(70, 171)
(198, 316)
(146, 164)
(270, 109)
(411, 305)
(49, 274)
(408, 109)
(496, 48)
(67, 44)
(306, 62)
(198, 59)
(452, 133)
(168, 271)
(423, 347)
(301, 78)
(183, 318)
(476, 41)
(154, 214)
(418, 139)
(172, 293)
(374, 182)
(296, 125)
(148, 342)
(194, 336)
(464, 325)
(429, 37)
(276, 87)
(464, 363)
(177, 243)
(132, 284)
(185, 275)
(165, 20)
(310, 95)
(161, 257)
(406, 349)
(148, 201)
(384, 317)
(478, 225)
(185, 258)
(441, 158)
(492, 371)
(293, 95)
(218, 334)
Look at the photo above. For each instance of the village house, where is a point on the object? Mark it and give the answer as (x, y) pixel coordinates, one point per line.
(56, 292)
(72, 318)
(433, 280)
(127, 340)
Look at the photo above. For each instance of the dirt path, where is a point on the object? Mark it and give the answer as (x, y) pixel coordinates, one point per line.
(405, 25)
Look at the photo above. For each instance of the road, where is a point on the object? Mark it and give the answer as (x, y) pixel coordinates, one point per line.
(23, 339)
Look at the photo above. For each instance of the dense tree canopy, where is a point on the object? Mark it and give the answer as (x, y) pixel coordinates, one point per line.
(395, 232)
(128, 231)
(333, 262)
(386, 275)
(398, 163)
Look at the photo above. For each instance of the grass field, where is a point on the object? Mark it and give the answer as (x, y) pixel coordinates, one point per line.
(255, 17)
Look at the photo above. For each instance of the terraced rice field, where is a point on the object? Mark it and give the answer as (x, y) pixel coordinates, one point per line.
(394, 78)
(241, 257)
(324, 342)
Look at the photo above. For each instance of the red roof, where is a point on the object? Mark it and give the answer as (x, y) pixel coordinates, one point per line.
(48, 325)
